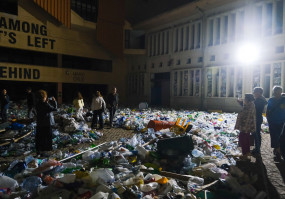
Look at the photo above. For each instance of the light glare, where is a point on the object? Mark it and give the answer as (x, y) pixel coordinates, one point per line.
(247, 53)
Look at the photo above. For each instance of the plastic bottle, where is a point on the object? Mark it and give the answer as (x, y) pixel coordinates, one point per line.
(106, 175)
(32, 183)
(100, 195)
(196, 153)
(148, 187)
(7, 182)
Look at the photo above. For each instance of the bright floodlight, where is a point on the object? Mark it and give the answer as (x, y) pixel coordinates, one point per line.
(247, 53)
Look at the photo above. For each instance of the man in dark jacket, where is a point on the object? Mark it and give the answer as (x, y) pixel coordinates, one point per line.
(31, 103)
(5, 100)
(259, 103)
(113, 101)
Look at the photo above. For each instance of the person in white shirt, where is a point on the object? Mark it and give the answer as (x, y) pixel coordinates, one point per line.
(98, 106)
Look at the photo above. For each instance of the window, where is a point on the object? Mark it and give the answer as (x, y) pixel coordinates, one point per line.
(279, 17)
(152, 65)
(181, 38)
(187, 38)
(218, 34)
(193, 37)
(213, 58)
(233, 27)
(231, 84)
(9, 6)
(154, 42)
(199, 36)
(225, 30)
(87, 9)
(167, 42)
(176, 40)
(266, 82)
(180, 83)
(150, 45)
(241, 25)
(160, 64)
(279, 49)
(158, 45)
(178, 62)
(163, 40)
(200, 59)
(127, 38)
(17, 56)
(85, 63)
(268, 22)
(189, 61)
(175, 82)
(211, 32)
(258, 20)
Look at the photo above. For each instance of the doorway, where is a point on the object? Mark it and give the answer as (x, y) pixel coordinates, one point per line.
(160, 89)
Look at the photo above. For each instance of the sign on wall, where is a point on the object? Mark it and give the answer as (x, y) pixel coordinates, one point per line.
(17, 72)
(35, 37)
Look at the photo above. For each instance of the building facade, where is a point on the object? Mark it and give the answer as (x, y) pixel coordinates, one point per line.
(191, 54)
(61, 46)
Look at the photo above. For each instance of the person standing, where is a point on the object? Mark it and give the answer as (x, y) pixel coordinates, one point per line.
(44, 110)
(5, 100)
(246, 124)
(31, 102)
(259, 103)
(98, 106)
(113, 102)
(79, 104)
(276, 117)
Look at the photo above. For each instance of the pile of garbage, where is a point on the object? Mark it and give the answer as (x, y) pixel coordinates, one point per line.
(200, 163)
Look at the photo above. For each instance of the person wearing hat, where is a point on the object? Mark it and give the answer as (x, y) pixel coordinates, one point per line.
(246, 124)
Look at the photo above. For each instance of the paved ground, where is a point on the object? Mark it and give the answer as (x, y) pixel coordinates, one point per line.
(275, 171)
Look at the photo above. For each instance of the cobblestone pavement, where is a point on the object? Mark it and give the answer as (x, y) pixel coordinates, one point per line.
(270, 173)
(275, 170)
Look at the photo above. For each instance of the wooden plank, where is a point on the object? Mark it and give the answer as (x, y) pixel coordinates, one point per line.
(46, 5)
(16, 140)
(66, 13)
(52, 7)
(62, 11)
(68, 158)
(55, 8)
(69, 14)
(42, 3)
(58, 10)
(49, 6)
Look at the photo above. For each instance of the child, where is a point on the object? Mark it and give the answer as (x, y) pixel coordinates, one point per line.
(246, 124)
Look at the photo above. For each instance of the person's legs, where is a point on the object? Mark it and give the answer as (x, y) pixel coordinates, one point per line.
(244, 139)
(94, 120)
(29, 112)
(257, 138)
(112, 113)
(101, 119)
(4, 112)
(282, 143)
(275, 132)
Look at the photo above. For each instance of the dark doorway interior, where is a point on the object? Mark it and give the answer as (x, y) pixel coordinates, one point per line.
(17, 90)
(160, 89)
(87, 90)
